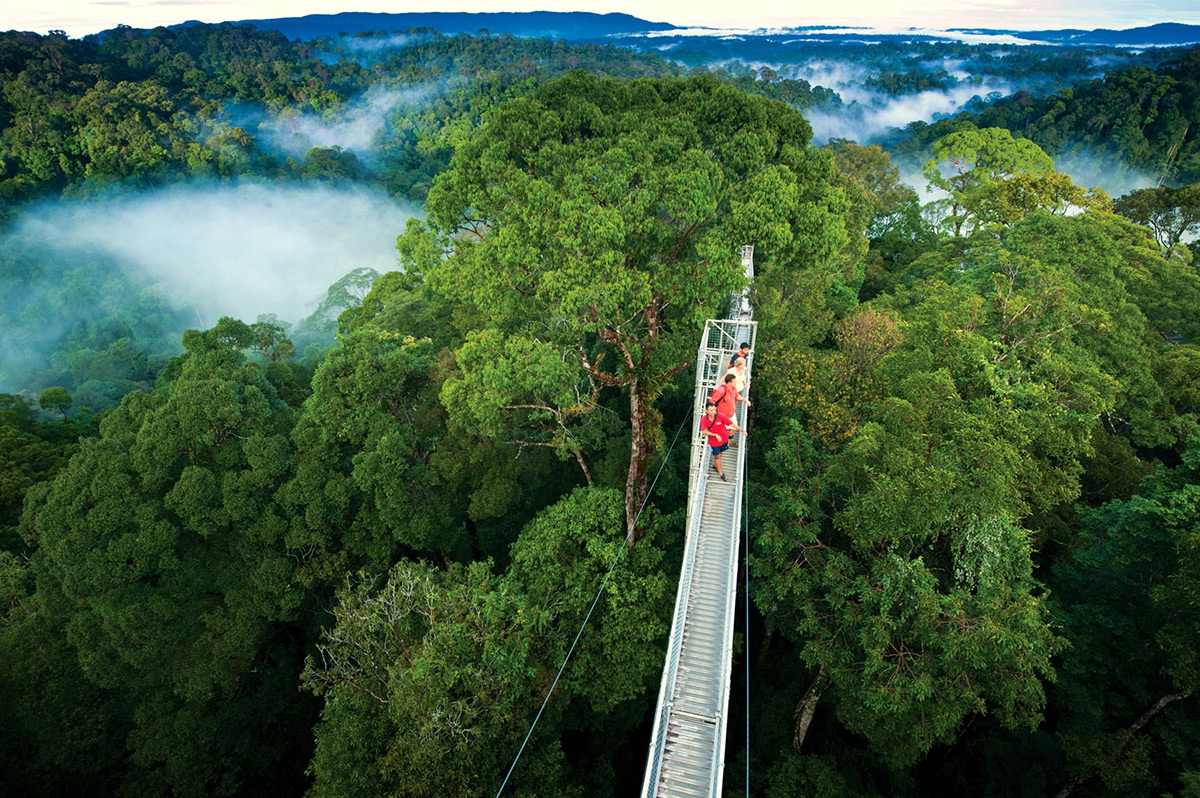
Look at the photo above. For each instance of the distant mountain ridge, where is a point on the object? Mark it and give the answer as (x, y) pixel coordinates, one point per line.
(585, 25)
(529, 24)
(1162, 34)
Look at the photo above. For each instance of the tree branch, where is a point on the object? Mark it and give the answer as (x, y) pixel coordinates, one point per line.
(1146, 717)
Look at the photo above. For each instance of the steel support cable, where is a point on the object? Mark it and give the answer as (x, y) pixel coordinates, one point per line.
(595, 601)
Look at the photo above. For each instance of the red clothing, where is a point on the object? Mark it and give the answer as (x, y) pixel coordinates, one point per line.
(719, 429)
(725, 395)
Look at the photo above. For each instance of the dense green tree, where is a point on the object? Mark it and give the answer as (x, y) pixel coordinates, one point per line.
(1139, 309)
(55, 398)
(62, 733)
(897, 230)
(269, 341)
(430, 682)
(363, 486)
(1002, 379)
(332, 164)
(1129, 604)
(601, 221)
(28, 455)
(346, 293)
(886, 195)
(913, 604)
(561, 557)
(432, 678)
(160, 550)
(938, 436)
(1171, 213)
(993, 178)
(125, 130)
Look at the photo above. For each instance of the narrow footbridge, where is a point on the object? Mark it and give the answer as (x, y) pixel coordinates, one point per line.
(687, 747)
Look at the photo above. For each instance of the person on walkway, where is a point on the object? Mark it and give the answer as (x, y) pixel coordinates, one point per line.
(715, 427)
(738, 370)
(743, 351)
(726, 397)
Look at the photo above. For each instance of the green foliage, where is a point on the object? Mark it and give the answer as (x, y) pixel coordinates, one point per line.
(444, 671)
(62, 733)
(432, 678)
(55, 398)
(159, 551)
(31, 452)
(561, 557)
(1138, 120)
(363, 486)
(80, 322)
(916, 596)
(924, 447)
(993, 179)
(814, 775)
(1171, 213)
(601, 220)
(966, 577)
(1128, 600)
(348, 293)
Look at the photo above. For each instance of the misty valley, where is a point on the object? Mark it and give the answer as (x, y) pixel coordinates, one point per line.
(338, 356)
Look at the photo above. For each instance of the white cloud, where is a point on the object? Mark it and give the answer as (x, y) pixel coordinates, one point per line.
(354, 128)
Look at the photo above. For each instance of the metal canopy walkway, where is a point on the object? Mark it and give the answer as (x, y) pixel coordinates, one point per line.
(688, 743)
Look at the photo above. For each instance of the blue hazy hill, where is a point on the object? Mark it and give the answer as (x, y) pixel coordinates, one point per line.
(530, 24)
(1162, 34)
(584, 25)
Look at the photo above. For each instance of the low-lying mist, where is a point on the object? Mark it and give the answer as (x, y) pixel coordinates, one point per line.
(356, 126)
(867, 112)
(77, 275)
(231, 251)
(870, 114)
(1089, 170)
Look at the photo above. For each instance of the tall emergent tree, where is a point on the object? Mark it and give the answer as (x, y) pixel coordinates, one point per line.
(1171, 213)
(992, 178)
(594, 225)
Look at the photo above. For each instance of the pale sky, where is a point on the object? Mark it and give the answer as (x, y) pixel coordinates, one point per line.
(80, 17)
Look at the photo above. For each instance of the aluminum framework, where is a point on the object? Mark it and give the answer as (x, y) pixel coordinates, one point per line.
(687, 745)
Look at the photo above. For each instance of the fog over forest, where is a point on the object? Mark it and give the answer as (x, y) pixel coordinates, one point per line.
(208, 251)
(236, 251)
(354, 126)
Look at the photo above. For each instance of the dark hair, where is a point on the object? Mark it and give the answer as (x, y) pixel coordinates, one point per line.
(710, 404)
(743, 345)
(730, 378)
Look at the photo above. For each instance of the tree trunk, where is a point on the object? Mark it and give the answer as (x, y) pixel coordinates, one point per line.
(766, 643)
(635, 483)
(586, 473)
(1146, 717)
(804, 711)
